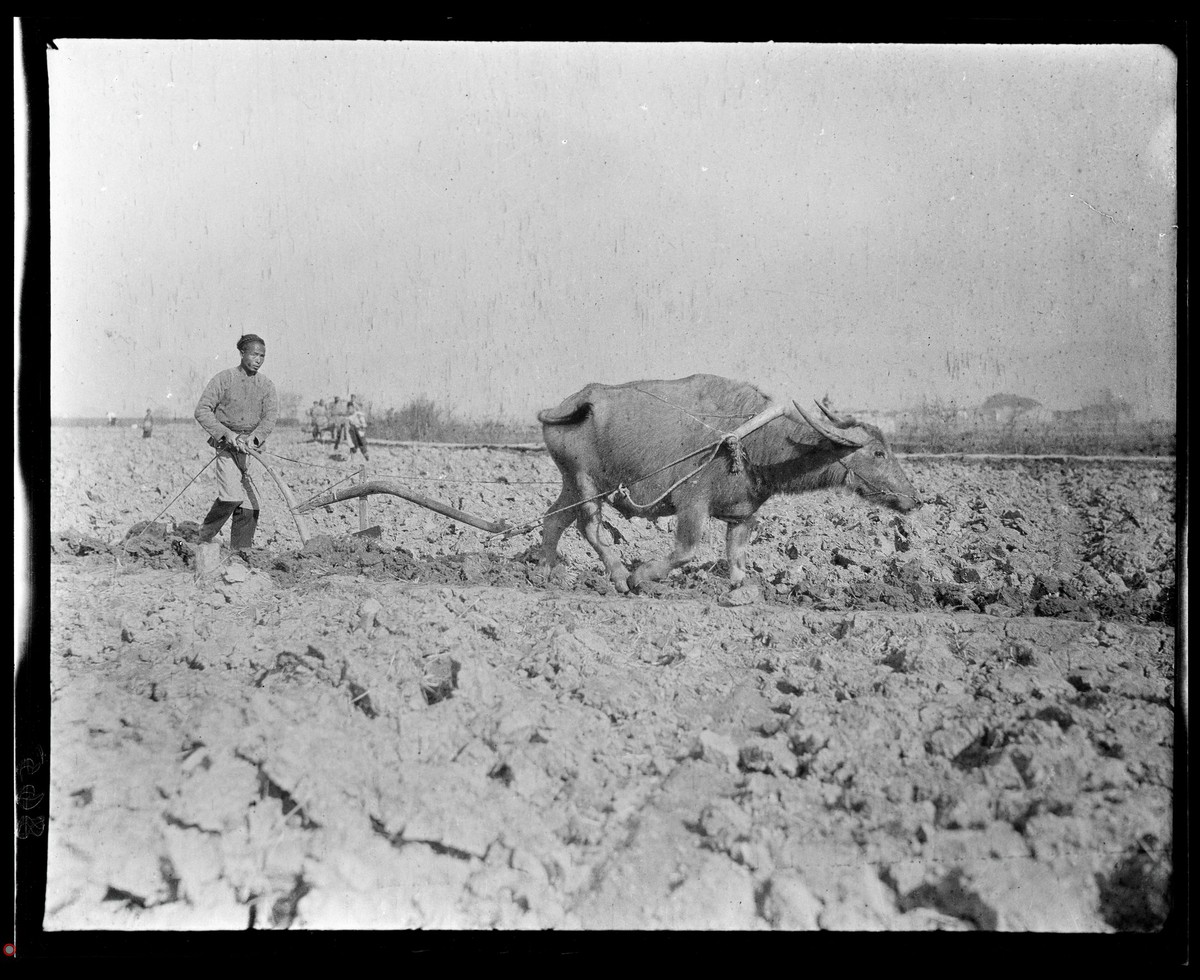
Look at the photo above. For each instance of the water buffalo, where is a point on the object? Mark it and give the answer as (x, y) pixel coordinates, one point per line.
(613, 444)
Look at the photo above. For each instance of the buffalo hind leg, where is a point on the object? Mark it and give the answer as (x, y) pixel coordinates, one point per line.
(689, 528)
(560, 517)
(737, 537)
(593, 532)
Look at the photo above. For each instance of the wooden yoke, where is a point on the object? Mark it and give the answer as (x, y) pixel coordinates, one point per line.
(301, 524)
(768, 414)
(734, 439)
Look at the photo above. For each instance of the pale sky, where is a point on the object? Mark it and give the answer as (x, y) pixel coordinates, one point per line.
(493, 225)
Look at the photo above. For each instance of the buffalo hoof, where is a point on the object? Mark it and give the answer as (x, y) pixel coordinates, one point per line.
(560, 575)
(637, 581)
(552, 573)
(743, 595)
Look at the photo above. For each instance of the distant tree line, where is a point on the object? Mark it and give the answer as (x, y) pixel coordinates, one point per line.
(421, 420)
(1005, 424)
(1002, 424)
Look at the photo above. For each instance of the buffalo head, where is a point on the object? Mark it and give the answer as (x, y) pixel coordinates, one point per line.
(871, 468)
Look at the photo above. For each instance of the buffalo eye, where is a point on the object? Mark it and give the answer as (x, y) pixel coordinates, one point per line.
(879, 454)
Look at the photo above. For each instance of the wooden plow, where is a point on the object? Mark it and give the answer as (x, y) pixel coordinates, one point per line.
(365, 487)
(361, 490)
(302, 525)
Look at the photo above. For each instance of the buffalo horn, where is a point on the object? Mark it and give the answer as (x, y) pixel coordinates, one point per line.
(839, 420)
(833, 435)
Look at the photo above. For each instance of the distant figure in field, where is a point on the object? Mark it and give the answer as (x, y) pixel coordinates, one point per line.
(147, 425)
(337, 420)
(356, 421)
(112, 418)
(238, 411)
(318, 418)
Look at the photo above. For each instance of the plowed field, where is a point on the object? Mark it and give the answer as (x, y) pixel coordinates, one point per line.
(957, 719)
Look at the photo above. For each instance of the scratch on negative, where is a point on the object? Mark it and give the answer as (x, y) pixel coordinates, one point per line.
(1098, 211)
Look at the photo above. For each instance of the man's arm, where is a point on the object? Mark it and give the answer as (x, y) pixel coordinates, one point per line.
(270, 412)
(206, 411)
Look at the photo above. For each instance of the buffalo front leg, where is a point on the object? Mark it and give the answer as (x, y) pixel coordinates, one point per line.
(737, 538)
(593, 532)
(689, 528)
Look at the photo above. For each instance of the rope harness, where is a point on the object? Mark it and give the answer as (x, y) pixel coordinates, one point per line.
(622, 491)
(874, 490)
(731, 439)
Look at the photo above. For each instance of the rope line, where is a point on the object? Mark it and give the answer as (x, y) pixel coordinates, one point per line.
(173, 499)
(874, 491)
(406, 478)
(247, 475)
(684, 411)
(299, 462)
(714, 446)
(351, 476)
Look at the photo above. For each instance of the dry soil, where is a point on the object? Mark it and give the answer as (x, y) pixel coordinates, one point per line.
(959, 719)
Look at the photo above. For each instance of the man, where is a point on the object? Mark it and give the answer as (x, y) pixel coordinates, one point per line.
(147, 425)
(238, 411)
(337, 419)
(356, 420)
(317, 415)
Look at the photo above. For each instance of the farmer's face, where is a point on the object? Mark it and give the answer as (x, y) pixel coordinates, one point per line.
(253, 356)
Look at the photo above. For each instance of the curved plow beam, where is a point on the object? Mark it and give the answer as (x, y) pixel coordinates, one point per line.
(826, 430)
(301, 526)
(396, 490)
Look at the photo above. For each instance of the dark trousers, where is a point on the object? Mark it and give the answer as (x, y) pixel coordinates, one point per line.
(245, 522)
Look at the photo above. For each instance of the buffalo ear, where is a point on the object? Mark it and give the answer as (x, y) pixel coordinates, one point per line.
(828, 432)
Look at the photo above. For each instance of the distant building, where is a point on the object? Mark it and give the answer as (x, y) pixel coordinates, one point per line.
(1097, 415)
(1106, 410)
(1039, 415)
(1007, 408)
